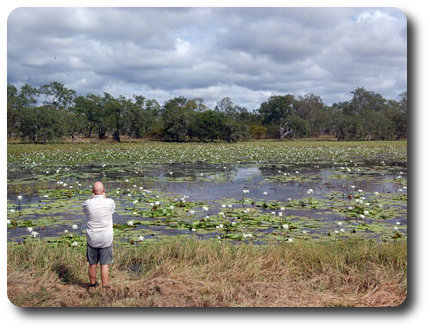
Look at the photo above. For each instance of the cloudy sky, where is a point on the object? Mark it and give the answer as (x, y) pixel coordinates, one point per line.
(247, 54)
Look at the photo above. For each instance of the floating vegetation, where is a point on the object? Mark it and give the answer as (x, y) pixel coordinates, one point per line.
(282, 191)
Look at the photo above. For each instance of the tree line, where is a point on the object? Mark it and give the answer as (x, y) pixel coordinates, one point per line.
(52, 111)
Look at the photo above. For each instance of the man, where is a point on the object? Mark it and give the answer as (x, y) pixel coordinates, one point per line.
(99, 210)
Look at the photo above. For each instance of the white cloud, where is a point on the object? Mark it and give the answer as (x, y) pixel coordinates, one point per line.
(245, 53)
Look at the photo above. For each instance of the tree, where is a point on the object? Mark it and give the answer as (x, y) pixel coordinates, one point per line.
(177, 118)
(56, 95)
(41, 124)
(208, 125)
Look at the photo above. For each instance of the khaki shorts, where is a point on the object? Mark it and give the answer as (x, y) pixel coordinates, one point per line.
(104, 255)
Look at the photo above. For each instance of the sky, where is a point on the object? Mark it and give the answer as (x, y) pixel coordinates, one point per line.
(247, 54)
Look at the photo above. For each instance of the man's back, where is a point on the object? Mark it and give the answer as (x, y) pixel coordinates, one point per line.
(99, 225)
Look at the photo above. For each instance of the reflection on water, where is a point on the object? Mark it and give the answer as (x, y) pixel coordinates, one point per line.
(201, 182)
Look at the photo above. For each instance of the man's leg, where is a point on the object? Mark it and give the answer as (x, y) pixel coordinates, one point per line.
(105, 274)
(92, 271)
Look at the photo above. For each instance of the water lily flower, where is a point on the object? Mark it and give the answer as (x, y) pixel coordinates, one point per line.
(221, 213)
(361, 216)
(135, 201)
(290, 240)
(280, 214)
(66, 231)
(130, 223)
(29, 229)
(171, 207)
(285, 226)
(366, 212)
(304, 232)
(193, 229)
(233, 223)
(265, 193)
(359, 190)
(376, 193)
(207, 217)
(339, 223)
(192, 211)
(336, 232)
(34, 233)
(157, 203)
(74, 226)
(230, 206)
(19, 197)
(398, 223)
(8, 221)
(141, 238)
(11, 210)
(395, 228)
(135, 213)
(74, 243)
(282, 208)
(353, 187)
(223, 205)
(342, 230)
(204, 208)
(247, 235)
(221, 225)
(273, 212)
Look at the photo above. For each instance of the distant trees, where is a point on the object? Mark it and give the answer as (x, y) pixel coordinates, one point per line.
(52, 111)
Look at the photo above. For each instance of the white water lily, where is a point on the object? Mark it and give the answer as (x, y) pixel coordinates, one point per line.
(304, 232)
(130, 223)
(157, 203)
(192, 211)
(74, 243)
(336, 232)
(233, 223)
(223, 205)
(66, 231)
(230, 206)
(280, 214)
(361, 216)
(221, 213)
(282, 208)
(395, 228)
(398, 223)
(246, 235)
(193, 229)
(285, 226)
(45, 196)
(29, 229)
(19, 197)
(171, 207)
(135, 201)
(366, 212)
(290, 240)
(339, 223)
(376, 193)
(204, 208)
(34, 233)
(141, 238)
(8, 222)
(353, 187)
(342, 230)
(74, 226)
(11, 210)
(265, 193)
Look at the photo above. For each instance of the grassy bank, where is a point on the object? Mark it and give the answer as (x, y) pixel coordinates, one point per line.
(197, 273)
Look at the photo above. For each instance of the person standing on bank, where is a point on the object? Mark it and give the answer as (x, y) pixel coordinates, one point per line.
(99, 226)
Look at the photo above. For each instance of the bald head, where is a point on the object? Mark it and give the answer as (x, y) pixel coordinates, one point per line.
(98, 188)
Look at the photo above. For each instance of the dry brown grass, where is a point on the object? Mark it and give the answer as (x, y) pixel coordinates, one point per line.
(191, 273)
